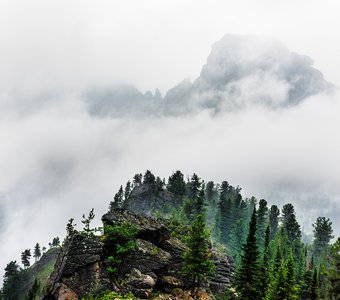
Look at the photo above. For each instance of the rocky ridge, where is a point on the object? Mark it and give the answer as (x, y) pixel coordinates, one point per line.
(155, 265)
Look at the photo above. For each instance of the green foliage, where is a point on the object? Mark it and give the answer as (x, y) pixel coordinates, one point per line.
(120, 241)
(197, 258)
(334, 273)
(37, 252)
(33, 292)
(111, 296)
(25, 257)
(11, 284)
(322, 234)
(247, 275)
(87, 230)
(283, 286)
(149, 178)
(176, 184)
(70, 230)
(262, 220)
(274, 214)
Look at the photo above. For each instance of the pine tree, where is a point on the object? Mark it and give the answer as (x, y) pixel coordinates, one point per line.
(70, 227)
(118, 200)
(198, 262)
(290, 224)
(37, 252)
(176, 184)
(274, 214)
(137, 179)
(264, 268)
(195, 186)
(55, 242)
(11, 283)
(127, 191)
(334, 274)
(247, 276)
(25, 258)
(322, 234)
(284, 287)
(225, 219)
(262, 217)
(149, 178)
(314, 286)
(87, 221)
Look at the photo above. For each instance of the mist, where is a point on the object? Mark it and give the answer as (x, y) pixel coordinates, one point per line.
(76, 120)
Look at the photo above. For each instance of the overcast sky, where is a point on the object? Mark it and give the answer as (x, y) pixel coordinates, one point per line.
(57, 162)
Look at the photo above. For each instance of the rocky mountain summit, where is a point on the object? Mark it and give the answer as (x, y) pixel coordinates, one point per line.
(155, 265)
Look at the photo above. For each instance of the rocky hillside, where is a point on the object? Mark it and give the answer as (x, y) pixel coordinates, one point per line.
(82, 267)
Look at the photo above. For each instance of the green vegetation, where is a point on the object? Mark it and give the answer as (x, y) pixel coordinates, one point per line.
(198, 261)
(111, 296)
(120, 241)
(272, 262)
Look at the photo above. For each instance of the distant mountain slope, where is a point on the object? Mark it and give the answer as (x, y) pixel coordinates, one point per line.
(241, 71)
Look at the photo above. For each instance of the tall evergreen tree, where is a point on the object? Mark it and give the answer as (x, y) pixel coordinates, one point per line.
(322, 234)
(314, 286)
(210, 192)
(176, 184)
(265, 264)
(137, 179)
(118, 200)
(11, 283)
(262, 220)
(199, 264)
(290, 223)
(284, 287)
(274, 214)
(37, 252)
(149, 178)
(127, 191)
(70, 227)
(247, 276)
(25, 258)
(334, 274)
(195, 186)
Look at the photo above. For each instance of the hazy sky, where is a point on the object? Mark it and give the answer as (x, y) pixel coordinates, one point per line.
(57, 162)
(151, 43)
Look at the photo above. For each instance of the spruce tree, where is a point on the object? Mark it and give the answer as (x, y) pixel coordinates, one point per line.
(70, 227)
(334, 273)
(314, 286)
(137, 179)
(247, 276)
(265, 264)
(11, 284)
(176, 184)
(149, 178)
(290, 223)
(284, 287)
(87, 221)
(25, 258)
(37, 252)
(274, 214)
(322, 234)
(127, 191)
(118, 200)
(262, 219)
(198, 263)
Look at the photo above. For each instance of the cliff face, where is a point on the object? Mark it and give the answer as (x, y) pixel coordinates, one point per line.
(146, 198)
(155, 264)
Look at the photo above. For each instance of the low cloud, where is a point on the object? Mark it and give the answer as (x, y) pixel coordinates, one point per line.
(61, 154)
